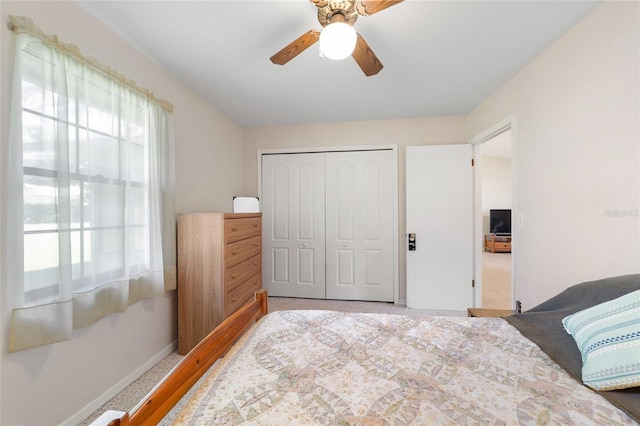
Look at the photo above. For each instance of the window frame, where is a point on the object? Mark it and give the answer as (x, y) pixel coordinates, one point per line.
(50, 291)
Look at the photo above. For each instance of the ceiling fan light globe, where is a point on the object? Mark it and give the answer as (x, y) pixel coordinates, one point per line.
(337, 41)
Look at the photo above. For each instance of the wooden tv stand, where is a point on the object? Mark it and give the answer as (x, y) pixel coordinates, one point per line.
(497, 243)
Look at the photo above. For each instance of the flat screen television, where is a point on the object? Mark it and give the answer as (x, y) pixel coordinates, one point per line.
(500, 221)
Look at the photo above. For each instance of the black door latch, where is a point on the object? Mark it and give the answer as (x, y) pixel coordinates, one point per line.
(412, 242)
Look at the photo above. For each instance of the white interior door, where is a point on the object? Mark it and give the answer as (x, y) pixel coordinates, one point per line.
(294, 230)
(359, 225)
(439, 208)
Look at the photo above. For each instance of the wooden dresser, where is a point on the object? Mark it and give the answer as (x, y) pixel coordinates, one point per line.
(219, 270)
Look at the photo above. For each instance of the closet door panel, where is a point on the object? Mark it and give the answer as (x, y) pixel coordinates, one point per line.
(359, 225)
(346, 268)
(306, 271)
(343, 188)
(279, 201)
(373, 263)
(293, 212)
(279, 265)
(306, 194)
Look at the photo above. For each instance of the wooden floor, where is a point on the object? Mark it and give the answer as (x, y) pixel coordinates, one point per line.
(496, 280)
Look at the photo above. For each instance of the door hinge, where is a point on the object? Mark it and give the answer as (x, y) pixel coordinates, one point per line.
(473, 162)
(473, 283)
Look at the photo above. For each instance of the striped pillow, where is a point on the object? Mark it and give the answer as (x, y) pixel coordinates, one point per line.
(608, 337)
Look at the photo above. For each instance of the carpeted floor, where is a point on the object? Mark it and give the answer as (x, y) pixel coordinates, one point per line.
(285, 303)
(130, 396)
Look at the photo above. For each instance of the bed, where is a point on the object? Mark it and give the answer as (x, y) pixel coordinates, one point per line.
(325, 367)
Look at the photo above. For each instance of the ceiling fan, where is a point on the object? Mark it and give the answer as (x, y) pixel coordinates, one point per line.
(339, 12)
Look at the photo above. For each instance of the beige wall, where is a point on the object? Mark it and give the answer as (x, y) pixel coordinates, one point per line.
(576, 153)
(406, 132)
(497, 192)
(49, 385)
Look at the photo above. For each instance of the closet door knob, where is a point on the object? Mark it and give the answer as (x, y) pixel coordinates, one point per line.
(304, 245)
(346, 245)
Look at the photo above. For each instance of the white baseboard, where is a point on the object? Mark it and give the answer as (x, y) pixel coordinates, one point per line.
(118, 387)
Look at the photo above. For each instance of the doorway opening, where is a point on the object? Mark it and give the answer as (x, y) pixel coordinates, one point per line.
(496, 207)
(496, 238)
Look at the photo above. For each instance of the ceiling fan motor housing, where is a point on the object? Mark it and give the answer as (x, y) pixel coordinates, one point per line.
(336, 11)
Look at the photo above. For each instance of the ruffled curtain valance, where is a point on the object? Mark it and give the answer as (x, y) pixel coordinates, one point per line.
(24, 25)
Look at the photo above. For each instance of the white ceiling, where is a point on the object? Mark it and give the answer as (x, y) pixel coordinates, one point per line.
(440, 57)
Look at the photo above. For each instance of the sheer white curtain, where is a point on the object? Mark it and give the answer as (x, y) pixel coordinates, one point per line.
(90, 192)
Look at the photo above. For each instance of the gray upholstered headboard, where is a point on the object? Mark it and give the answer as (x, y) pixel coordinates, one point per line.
(543, 326)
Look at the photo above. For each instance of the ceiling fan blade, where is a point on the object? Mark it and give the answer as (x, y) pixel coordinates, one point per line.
(320, 3)
(296, 47)
(369, 7)
(366, 59)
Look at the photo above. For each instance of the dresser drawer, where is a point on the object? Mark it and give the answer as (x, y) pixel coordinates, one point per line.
(236, 275)
(239, 251)
(241, 294)
(241, 228)
(502, 245)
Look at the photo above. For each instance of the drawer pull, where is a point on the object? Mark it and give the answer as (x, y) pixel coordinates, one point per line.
(255, 282)
(255, 225)
(234, 275)
(234, 251)
(255, 243)
(233, 299)
(255, 262)
(234, 228)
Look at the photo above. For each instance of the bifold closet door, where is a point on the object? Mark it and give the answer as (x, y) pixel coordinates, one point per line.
(359, 225)
(293, 197)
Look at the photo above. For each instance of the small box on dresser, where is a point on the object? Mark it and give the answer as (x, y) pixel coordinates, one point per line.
(219, 270)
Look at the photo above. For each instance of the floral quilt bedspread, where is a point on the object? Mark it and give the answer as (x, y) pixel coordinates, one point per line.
(324, 367)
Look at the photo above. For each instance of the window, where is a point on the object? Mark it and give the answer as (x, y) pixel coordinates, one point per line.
(93, 157)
